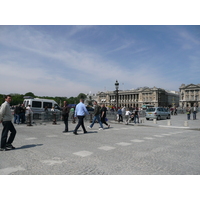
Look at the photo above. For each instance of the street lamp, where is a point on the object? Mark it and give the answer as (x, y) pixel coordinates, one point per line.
(117, 90)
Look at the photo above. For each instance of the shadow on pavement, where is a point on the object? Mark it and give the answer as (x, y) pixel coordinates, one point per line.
(28, 146)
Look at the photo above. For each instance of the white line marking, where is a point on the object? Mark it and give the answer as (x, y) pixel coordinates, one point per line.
(9, 170)
(123, 144)
(33, 138)
(148, 138)
(158, 136)
(106, 148)
(53, 162)
(83, 153)
(137, 140)
(52, 136)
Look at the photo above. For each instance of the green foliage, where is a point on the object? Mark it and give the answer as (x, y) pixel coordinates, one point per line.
(30, 94)
(81, 96)
(19, 98)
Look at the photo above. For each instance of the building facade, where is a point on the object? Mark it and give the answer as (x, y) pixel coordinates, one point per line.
(141, 97)
(189, 95)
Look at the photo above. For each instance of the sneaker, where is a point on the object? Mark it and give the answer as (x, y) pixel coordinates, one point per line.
(89, 127)
(9, 146)
(101, 129)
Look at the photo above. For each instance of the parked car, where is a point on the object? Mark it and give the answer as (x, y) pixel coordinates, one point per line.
(157, 113)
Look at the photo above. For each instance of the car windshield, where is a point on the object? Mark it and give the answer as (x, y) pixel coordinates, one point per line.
(150, 110)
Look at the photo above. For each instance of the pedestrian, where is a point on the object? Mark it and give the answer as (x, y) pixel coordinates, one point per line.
(65, 115)
(136, 116)
(17, 114)
(194, 111)
(97, 109)
(6, 119)
(127, 115)
(175, 111)
(103, 115)
(119, 112)
(53, 111)
(29, 114)
(22, 113)
(80, 112)
(72, 111)
(46, 113)
(188, 112)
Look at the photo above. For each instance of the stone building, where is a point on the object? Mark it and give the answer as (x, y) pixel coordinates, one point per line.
(189, 95)
(141, 97)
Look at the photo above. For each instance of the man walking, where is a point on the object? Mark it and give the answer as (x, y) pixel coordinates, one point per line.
(136, 116)
(6, 119)
(65, 115)
(103, 115)
(80, 112)
(97, 109)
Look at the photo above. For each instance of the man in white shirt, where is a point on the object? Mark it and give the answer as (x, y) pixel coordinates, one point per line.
(80, 112)
(6, 119)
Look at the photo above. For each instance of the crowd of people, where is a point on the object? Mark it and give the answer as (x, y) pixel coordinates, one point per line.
(23, 114)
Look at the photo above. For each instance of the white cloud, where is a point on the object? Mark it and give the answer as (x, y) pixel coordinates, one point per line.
(36, 61)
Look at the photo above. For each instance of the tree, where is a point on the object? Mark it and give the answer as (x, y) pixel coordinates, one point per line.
(82, 96)
(30, 94)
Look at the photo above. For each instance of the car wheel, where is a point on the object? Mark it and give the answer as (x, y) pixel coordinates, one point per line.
(147, 118)
(158, 117)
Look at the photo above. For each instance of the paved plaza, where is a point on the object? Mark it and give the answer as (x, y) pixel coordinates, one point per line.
(144, 149)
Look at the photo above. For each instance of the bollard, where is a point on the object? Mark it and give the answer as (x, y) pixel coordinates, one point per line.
(142, 121)
(186, 123)
(155, 121)
(169, 123)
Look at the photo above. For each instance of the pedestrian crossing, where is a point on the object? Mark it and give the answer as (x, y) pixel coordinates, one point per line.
(85, 153)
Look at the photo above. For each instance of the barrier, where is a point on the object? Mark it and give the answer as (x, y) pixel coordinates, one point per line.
(186, 123)
(169, 123)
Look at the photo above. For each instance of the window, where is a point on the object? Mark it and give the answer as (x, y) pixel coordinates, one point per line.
(150, 109)
(36, 104)
(48, 104)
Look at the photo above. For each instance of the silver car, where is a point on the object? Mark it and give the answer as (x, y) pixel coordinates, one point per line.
(157, 113)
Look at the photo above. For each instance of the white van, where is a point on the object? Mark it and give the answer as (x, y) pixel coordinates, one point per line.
(38, 105)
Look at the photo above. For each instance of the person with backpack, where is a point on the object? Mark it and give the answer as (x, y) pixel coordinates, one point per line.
(97, 109)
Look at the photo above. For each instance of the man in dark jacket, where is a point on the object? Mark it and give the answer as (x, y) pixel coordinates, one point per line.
(65, 116)
(97, 109)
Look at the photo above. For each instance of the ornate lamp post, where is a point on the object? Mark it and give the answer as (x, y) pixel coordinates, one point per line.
(182, 94)
(117, 90)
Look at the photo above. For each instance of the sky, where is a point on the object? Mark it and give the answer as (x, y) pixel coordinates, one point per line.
(53, 60)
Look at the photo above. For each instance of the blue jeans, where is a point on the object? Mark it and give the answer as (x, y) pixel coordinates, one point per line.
(16, 119)
(136, 117)
(194, 114)
(98, 119)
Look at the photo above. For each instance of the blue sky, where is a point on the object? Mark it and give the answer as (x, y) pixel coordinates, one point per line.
(67, 60)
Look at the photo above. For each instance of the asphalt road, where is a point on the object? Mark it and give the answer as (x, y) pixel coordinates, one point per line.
(120, 150)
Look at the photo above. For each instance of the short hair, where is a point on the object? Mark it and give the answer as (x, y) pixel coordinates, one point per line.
(7, 96)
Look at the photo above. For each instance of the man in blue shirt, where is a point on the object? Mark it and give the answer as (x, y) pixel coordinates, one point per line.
(80, 112)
